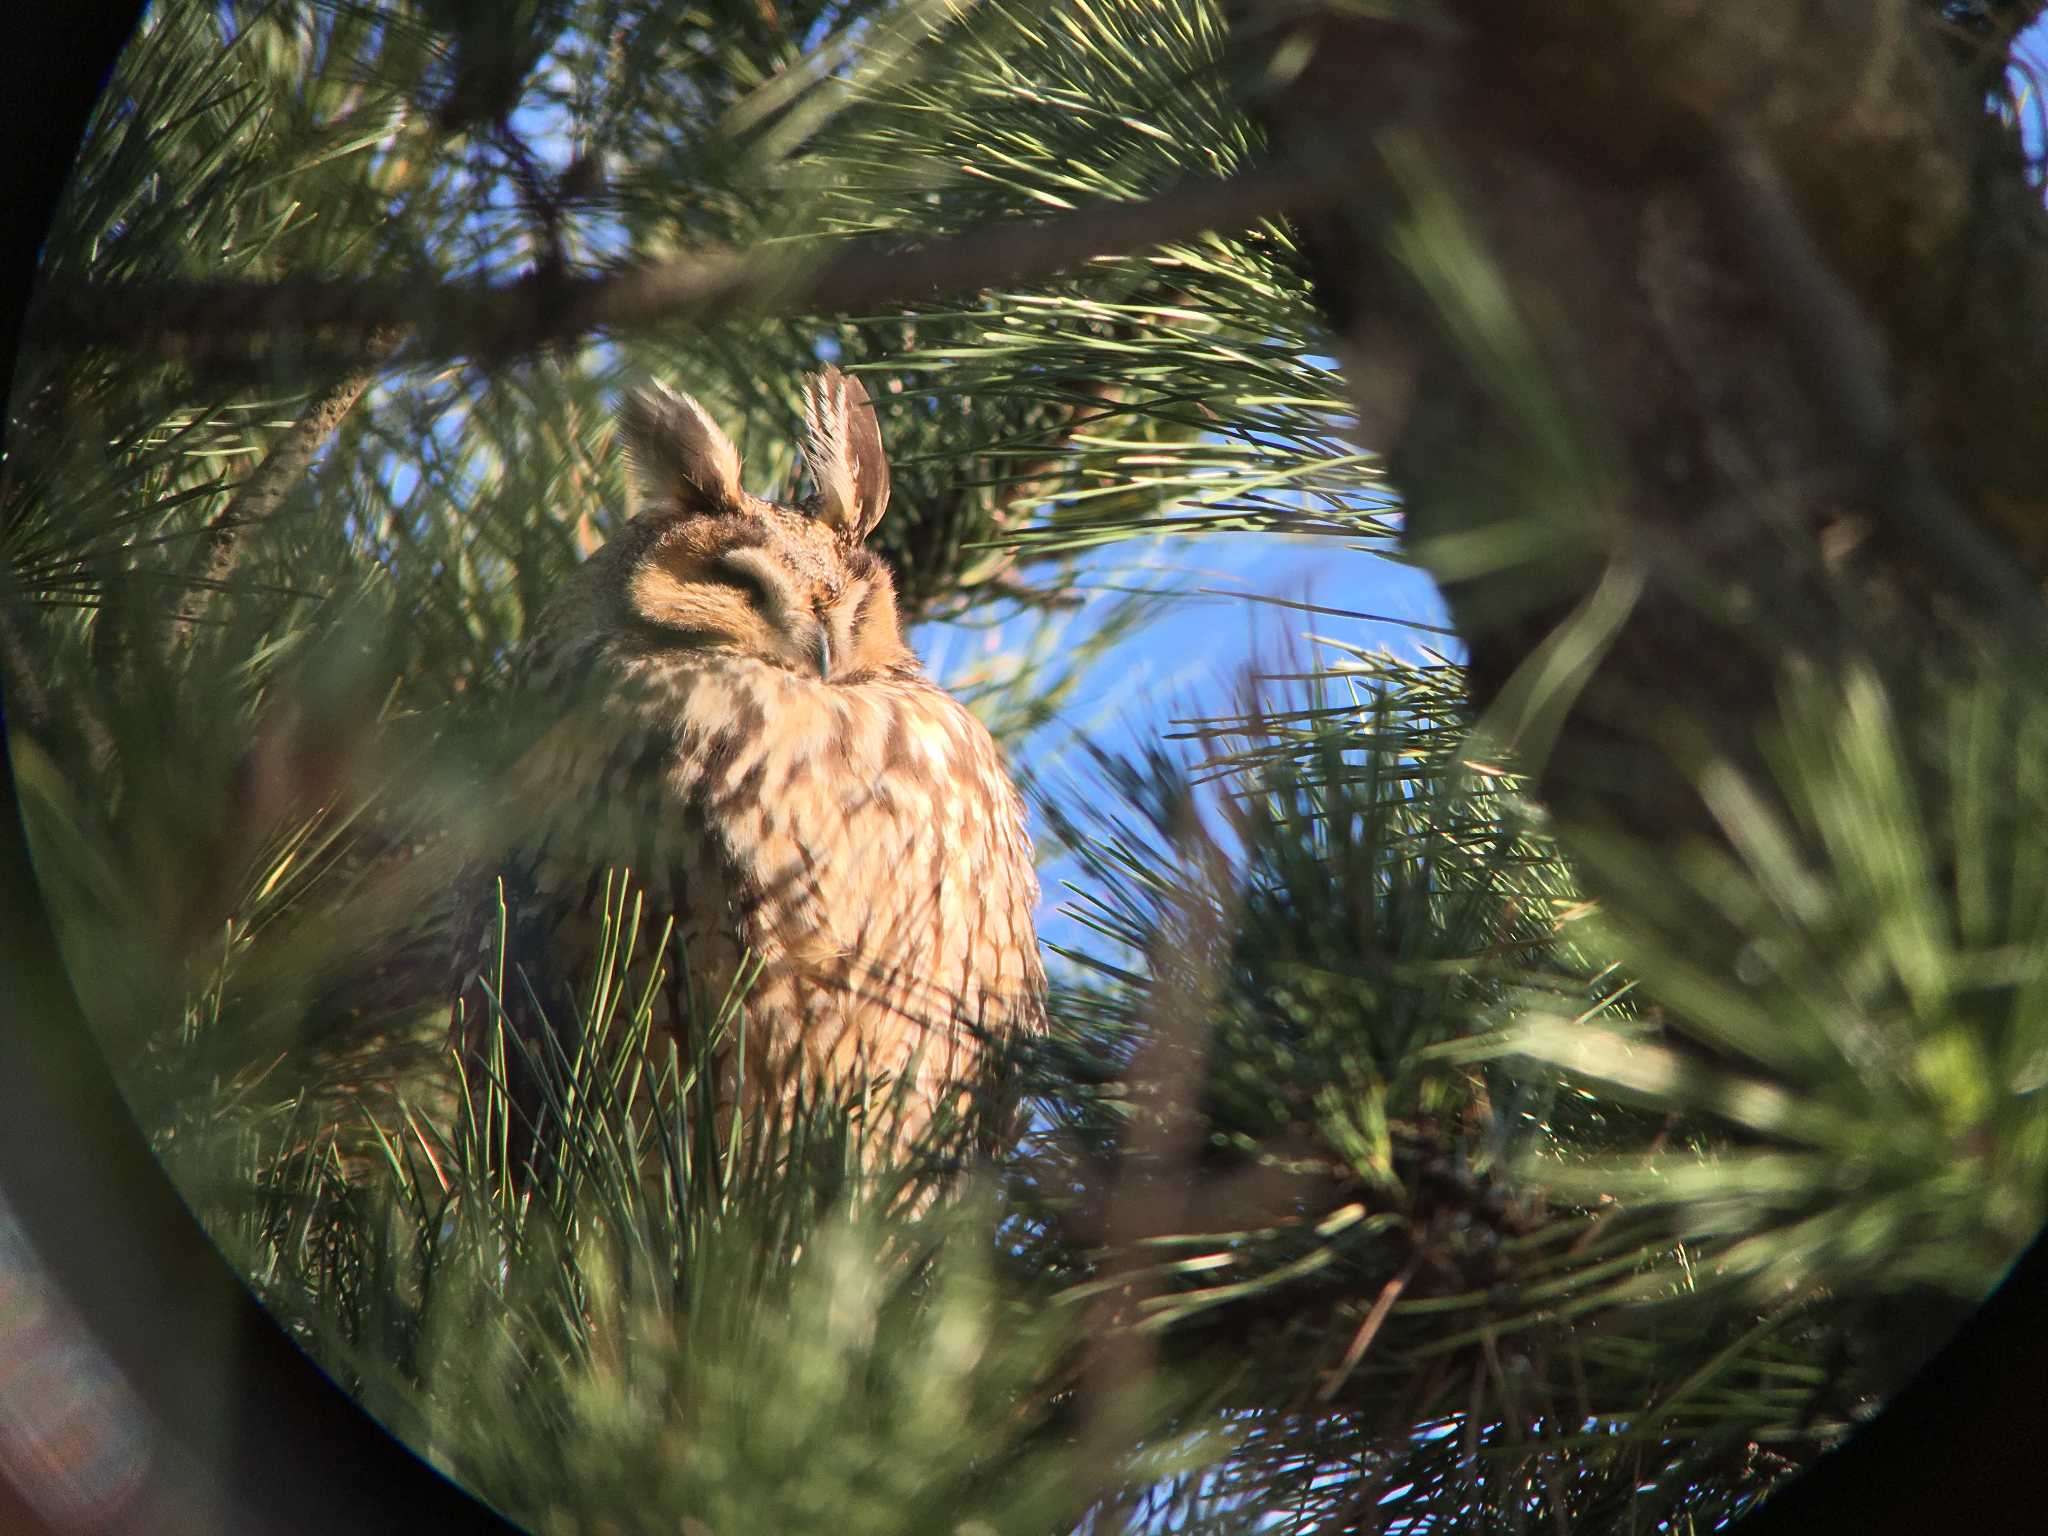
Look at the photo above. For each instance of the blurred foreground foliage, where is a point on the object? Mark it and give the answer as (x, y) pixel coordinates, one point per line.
(1372, 1178)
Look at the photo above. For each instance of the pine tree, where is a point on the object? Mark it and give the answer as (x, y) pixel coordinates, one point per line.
(1390, 1168)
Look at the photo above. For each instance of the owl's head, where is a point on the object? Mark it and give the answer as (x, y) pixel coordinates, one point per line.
(712, 567)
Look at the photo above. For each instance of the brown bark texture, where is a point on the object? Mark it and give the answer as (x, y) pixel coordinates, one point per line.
(1702, 340)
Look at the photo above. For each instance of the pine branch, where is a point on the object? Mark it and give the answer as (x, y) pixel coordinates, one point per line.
(22, 679)
(264, 491)
(18, 673)
(208, 322)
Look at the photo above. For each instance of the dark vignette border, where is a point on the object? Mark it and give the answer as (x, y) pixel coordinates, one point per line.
(262, 1439)
(1964, 1446)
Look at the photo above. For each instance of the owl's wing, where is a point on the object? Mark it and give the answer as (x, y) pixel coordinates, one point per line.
(512, 1005)
(513, 1002)
(594, 800)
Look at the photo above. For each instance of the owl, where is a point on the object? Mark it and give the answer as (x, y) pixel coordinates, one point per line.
(722, 703)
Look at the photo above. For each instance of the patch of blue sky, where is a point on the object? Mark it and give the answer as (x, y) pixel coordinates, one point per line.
(1196, 649)
(1241, 603)
(2028, 73)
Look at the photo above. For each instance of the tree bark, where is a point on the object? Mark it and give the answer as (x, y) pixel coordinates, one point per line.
(1700, 341)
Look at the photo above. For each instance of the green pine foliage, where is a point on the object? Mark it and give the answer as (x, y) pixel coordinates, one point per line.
(1368, 1174)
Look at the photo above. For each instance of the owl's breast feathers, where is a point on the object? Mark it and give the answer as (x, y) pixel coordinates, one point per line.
(860, 841)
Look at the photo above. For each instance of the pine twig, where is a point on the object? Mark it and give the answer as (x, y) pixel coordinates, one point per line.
(23, 681)
(18, 675)
(1368, 1330)
(264, 491)
(1149, 1191)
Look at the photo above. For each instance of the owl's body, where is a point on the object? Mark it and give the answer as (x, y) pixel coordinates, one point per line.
(735, 719)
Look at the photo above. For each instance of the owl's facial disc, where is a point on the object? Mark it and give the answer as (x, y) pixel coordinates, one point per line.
(797, 607)
(717, 584)
(775, 586)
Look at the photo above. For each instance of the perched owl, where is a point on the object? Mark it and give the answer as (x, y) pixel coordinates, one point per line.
(728, 709)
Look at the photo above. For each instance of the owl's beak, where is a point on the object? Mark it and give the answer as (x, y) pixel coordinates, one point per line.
(824, 653)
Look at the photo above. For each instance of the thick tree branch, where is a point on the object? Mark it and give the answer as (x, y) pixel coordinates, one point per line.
(1847, 375)
(1792, 311)
(342, 318)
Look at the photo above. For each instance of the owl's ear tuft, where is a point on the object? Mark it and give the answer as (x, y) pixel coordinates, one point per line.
(843, 448)
(678, 453)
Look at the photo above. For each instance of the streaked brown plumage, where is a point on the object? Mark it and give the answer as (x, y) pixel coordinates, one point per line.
(730, 712)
